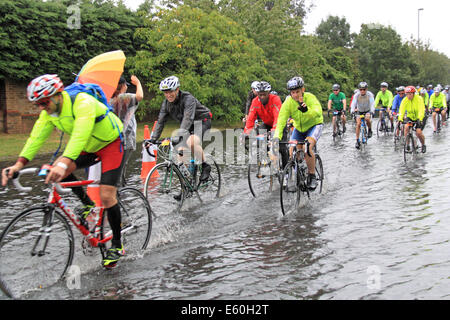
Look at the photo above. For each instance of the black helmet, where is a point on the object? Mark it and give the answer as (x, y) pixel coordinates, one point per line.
(363, 85)
(295, 83)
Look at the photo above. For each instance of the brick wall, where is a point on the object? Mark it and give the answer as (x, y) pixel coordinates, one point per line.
(20, 114)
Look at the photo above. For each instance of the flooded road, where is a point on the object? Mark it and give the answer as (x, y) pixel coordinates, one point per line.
(379, 230)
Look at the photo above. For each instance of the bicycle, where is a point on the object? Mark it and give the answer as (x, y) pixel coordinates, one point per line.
(337, 132)
(170, 183)
(363, 133)
(383, 121)
(266, 166)
(295, 174)
(438, 120)
(400, 138)
(410, 147)
(37, 246)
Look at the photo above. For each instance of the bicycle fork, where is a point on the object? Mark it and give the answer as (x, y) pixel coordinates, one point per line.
(44, 232)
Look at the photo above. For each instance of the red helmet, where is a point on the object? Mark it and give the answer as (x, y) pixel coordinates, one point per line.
(410, 89)
(44, 86)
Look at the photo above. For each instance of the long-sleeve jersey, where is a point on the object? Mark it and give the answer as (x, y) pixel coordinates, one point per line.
(396, 103)
(185, 109)
(267, 113)
(303, 121)
(77, 120)
(386, 98)
(415, 108)
(364, 103)
(439, 101)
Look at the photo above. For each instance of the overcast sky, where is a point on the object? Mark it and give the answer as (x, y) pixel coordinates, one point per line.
(400, 15)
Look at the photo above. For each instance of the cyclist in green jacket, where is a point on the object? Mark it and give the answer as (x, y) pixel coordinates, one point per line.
(90, 141)
(386, 98)
(338, 102)
(306, 112)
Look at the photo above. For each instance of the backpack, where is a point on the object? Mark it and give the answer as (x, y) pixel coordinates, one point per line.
(96, 91)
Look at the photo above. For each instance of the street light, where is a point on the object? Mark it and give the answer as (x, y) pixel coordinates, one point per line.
(418, 25)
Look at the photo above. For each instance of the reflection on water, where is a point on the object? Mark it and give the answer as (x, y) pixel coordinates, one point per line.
(379, 230)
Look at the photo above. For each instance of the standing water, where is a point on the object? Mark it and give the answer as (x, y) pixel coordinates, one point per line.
(379, 230)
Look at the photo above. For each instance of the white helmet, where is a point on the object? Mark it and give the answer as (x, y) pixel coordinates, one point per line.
(171, 83)
(255, 84)
(44, 86)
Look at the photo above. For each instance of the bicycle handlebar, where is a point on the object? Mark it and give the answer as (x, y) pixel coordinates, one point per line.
(16, 182)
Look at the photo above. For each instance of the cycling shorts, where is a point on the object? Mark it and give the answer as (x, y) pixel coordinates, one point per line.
(111, 157)
(206, 125)
(314, 132)
(416, 122)
(440, 109)
(364, 113)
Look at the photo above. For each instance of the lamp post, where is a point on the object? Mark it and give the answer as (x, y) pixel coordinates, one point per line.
(418, 24)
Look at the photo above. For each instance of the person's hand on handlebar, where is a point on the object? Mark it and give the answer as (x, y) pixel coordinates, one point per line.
(8, 173)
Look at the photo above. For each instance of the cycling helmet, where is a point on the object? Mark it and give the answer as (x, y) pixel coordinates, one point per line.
(254, 84)
(423, 91)
(384, 84)
(401, 88)
(295, 83)
(44, 86)
(430, 86)
(410, 89)
(336, 86)
(263, 86)
(363, 85)
(171, 83)
(437, 89)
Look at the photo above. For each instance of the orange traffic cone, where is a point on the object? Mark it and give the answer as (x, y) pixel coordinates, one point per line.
(148, 160)
(93, 190)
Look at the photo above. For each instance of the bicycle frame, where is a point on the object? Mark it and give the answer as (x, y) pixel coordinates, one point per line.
(363, 129)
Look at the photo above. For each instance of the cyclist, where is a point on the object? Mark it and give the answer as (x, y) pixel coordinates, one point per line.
(90, 141)
(252, 94)
(396, 105)
(415, 108)
(438, 101)
(305, 110)
(125, 105)
(338, 102)
(385, 97)
(266, 106)
(183, 107)
(430, 90)
(363, 102)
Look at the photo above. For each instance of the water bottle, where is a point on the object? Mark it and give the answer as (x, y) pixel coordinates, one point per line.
(192, 166)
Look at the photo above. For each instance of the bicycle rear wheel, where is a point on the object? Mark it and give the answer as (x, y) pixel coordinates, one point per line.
(319, 172)
(136, 220)
(164, 187)
(36, 248)
(210, 188)
(290, 189)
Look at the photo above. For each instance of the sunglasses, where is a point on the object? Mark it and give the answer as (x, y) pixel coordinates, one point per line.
(362, 89)
(42, 103)
(336, 90)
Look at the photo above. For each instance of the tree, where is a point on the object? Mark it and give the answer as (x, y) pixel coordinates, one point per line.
(35, 37)
(335, 31)
(210, 53)
(383, 57)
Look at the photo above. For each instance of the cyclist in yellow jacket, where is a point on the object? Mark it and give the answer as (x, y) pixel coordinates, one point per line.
(438, 103)
(414, 107)
(94, 136)
(306, 112)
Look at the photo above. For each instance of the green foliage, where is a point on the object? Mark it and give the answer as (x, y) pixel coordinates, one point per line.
(211, 55)
(335, 31)
(383, 57)
(35, 37)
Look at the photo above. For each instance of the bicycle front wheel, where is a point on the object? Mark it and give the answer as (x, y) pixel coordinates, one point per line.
(409, 149)
(136, 220)
(36, 248)
(290, 189)
(164, 187)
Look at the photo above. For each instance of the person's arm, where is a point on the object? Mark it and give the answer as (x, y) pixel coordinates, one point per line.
(162, 118)
(329, 104)
(372, 103)
(377, 99)
(421, 107)
(353, 103)
(276, 111)
(139, 92)
(391, 99)
(283, 116)
(250, 123)
(188, 112)
(401, 112)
